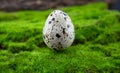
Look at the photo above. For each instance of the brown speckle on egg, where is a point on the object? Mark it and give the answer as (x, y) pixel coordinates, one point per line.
(57, 21)
(57, 35)
(63, 30)
(52, 38)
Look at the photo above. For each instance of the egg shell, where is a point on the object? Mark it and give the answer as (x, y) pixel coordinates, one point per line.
(58, 31)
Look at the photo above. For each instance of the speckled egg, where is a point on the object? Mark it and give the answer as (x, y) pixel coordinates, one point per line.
(58, 32)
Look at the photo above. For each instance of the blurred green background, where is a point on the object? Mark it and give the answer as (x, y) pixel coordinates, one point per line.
(96, 48)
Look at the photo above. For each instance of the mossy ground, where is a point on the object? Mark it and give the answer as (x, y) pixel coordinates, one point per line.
(96, 48)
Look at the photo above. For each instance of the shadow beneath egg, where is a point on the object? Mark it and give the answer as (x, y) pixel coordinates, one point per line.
(60, 51)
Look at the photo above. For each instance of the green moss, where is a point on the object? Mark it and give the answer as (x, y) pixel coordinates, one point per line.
(95, 49)
(17, 47)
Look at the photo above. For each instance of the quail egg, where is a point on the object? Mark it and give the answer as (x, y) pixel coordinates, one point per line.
(58, 31)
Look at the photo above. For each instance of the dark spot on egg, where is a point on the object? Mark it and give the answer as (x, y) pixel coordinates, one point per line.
(44, 37)
(49, 22)
(52, 38)
(52, 45)
(63, 30)
(53, 19)
(60, 45)
(48, 41)
(67, 35)
(64, 14)
(51, 14)
(57, 35)
(68, 26)
(61, 27)
(70, 37)
(65, 18)
(57, 21)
